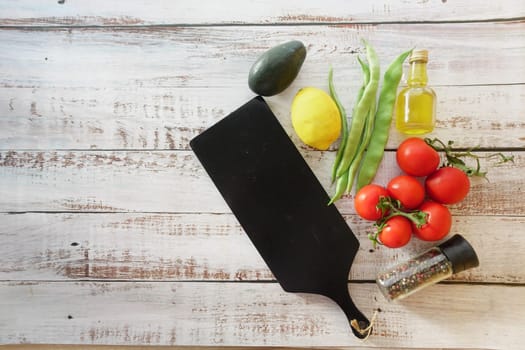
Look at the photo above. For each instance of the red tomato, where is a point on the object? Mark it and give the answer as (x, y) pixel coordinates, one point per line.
(439, 221)
(447, 185)
(396, 232)
(407, 190)
(416, 158)
(366, 201)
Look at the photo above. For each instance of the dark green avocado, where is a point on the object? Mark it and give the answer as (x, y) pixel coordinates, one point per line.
(275, 69)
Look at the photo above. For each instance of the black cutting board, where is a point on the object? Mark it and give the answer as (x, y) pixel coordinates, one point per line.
(280, 204)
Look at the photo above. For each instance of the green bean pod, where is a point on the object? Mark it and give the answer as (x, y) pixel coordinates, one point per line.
(340, 188)
(361, 111)
(344, 122)
(342, 181)
(344, 131)
(383, 119)
(366, 77)
(365, 140)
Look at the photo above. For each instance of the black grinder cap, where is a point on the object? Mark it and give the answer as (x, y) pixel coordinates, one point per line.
(460, 253)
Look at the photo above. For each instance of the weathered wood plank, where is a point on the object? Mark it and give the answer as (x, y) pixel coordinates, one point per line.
(158, 12)
(193, 247)
(174, 181)
(163, 118)
(190, 56)
(161, 347)
(154, 88)
(254, 314)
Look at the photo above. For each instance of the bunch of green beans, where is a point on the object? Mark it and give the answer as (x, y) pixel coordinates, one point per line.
(362, 146)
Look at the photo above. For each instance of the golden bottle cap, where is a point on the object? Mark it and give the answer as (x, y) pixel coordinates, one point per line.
(418, 55)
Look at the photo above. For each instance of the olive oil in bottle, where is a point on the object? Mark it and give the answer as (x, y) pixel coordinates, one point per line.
(416, 103)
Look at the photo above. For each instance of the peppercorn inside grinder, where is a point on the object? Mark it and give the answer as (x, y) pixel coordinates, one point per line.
(433, 265)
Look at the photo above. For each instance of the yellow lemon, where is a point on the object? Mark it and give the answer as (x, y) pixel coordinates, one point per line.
(315, 118)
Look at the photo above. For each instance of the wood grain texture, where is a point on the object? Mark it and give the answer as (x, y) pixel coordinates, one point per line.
(188, 56)
(254, 314)
(167, 347)
(112, 233)
(161, 12)
(210, 247)
(174, 181)
(165, 118)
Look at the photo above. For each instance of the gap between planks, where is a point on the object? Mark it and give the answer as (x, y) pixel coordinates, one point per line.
(349, 282)
(460, 149)
(134, 347)
(253, 24)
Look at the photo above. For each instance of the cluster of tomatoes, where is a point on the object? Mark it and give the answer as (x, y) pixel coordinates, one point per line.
(413, 204)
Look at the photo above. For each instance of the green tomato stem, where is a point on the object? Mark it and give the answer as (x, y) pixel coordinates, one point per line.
(394, 208)
(455, 158)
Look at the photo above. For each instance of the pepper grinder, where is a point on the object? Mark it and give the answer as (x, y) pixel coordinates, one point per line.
(434, 265)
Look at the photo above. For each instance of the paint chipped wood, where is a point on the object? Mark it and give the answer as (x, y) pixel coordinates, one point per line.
(93, 93)
(164, 347)
(255, 314)
(174, 181)
(186, 57)
(148, 118)
(158, 12)
(208, 247)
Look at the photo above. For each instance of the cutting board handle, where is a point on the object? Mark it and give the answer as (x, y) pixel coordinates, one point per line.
(359, 324)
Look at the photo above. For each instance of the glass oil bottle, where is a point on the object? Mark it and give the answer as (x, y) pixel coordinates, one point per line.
(433, 265)
(416, 103)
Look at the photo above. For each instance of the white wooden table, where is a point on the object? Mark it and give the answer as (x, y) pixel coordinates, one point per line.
(112, 233)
